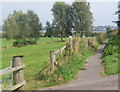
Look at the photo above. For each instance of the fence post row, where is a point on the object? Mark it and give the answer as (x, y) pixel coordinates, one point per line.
(18, 76)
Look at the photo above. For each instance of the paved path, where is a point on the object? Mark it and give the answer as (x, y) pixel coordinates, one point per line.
(90, 78)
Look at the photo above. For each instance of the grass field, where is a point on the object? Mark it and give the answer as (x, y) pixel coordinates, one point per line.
(35, 57)
(8, 43)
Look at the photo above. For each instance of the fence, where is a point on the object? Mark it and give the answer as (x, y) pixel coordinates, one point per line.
(53, 57)
(16, 74)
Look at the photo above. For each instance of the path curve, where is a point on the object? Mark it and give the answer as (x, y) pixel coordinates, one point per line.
(90, 78)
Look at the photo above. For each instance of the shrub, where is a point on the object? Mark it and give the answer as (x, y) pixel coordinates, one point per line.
(110, 59)
(23, 43)
(112, 46)
(110, 49)
(101, 37)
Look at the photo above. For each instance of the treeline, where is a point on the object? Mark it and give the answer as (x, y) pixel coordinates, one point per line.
(75, 18)
(25, 27)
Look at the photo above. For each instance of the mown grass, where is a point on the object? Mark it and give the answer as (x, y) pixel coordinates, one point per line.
(35, 57)
(9, 43)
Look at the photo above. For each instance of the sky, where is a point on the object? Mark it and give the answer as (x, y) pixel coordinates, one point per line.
(103, 11)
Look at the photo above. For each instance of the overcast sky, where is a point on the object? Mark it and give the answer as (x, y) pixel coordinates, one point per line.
(103, 12)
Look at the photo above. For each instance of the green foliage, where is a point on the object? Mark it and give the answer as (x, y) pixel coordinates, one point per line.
(111, 64)
(34, 25)
(20, 26)
(49, 30)
(62, 18)
(110, 50)
(19, 44)
(111, 32)
(110, 60)
(82, 17)
(101, 37)
(112, 46)
(88, 33)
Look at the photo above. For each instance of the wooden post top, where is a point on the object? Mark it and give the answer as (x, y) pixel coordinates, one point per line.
(21, 56)
(51, 51)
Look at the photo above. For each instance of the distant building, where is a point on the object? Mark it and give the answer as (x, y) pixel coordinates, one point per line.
(42, 32)
(101, 29)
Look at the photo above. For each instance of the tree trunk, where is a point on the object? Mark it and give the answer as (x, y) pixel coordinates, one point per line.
(81, 34)
(61, 38)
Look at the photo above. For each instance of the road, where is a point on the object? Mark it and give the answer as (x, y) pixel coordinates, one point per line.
(90, 79)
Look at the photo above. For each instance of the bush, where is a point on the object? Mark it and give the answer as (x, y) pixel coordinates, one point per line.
(24, 43)
(111, 64)
(101, 37)
(110, 59)
(110, 49)
(112, 46)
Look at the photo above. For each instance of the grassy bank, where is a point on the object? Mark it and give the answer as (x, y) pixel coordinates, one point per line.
(69, 63)
(110, 60)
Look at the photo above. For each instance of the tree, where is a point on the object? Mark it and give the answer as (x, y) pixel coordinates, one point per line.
(15, 26)
(21, 26)
(69, 21)
(34, 25)
(108, 30)
(82, 17)
(9, 27)
(61, 12)
(89, 33)
(49, 29)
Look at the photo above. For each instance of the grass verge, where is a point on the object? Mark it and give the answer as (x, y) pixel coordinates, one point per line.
(110, 60)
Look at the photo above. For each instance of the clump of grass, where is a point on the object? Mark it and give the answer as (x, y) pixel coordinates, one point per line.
(111, 64)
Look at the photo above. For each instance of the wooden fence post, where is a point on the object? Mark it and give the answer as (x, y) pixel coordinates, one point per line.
(18, 76)
(52, 59)
(61, 51)
(71, 45)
